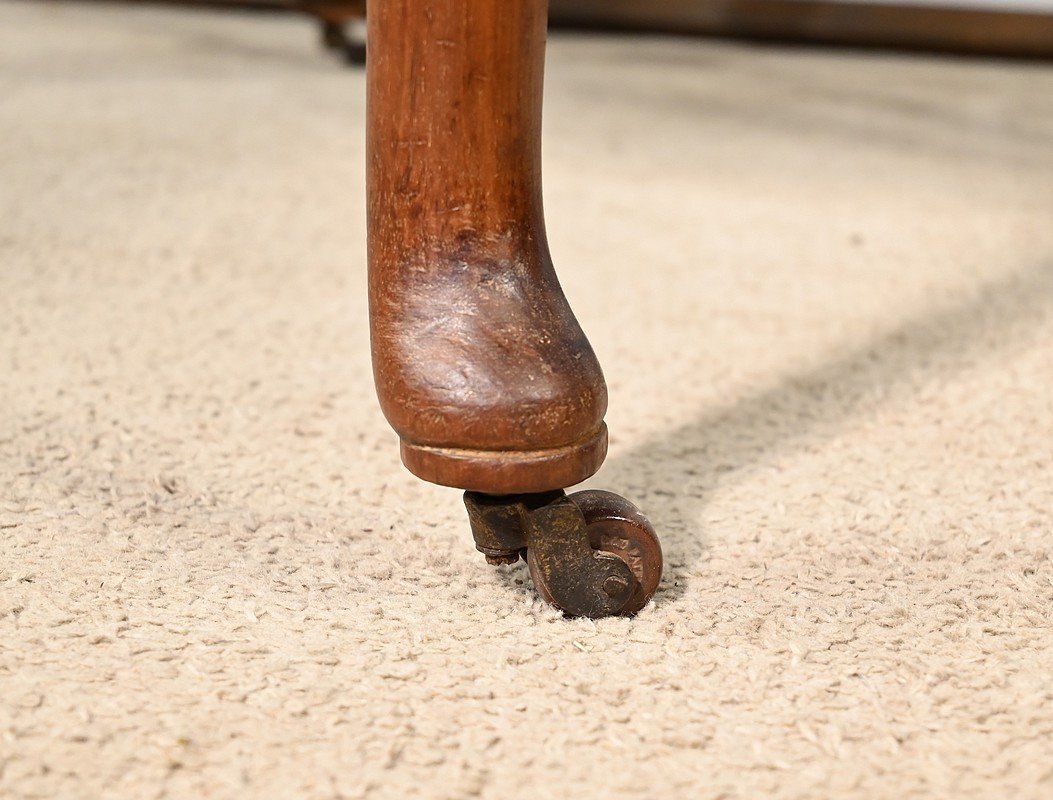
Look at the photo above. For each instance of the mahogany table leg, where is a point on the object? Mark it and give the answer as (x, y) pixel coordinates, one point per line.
(480, 366)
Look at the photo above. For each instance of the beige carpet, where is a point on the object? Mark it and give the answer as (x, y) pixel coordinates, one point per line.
(821, 285)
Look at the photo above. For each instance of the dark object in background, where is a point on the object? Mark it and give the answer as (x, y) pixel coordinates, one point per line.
(343, 26)
(946, 29)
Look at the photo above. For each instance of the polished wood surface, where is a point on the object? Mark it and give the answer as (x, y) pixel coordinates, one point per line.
(480, 365)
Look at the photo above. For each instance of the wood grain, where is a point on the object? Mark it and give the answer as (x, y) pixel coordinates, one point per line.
(479, 362)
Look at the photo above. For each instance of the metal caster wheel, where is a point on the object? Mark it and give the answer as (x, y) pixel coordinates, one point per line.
(592, 554)
(614, 526)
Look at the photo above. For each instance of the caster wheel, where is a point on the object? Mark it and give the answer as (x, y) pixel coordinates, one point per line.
(615, 527)
(592, 554)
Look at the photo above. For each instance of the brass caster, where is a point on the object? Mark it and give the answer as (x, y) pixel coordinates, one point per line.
(590, 554)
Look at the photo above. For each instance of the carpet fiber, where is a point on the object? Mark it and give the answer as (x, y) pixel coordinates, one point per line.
(821, 285)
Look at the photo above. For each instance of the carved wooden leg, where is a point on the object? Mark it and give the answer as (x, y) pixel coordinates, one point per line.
(480, 365)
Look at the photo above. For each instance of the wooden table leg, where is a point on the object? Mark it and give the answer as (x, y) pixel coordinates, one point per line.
(480, 365)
